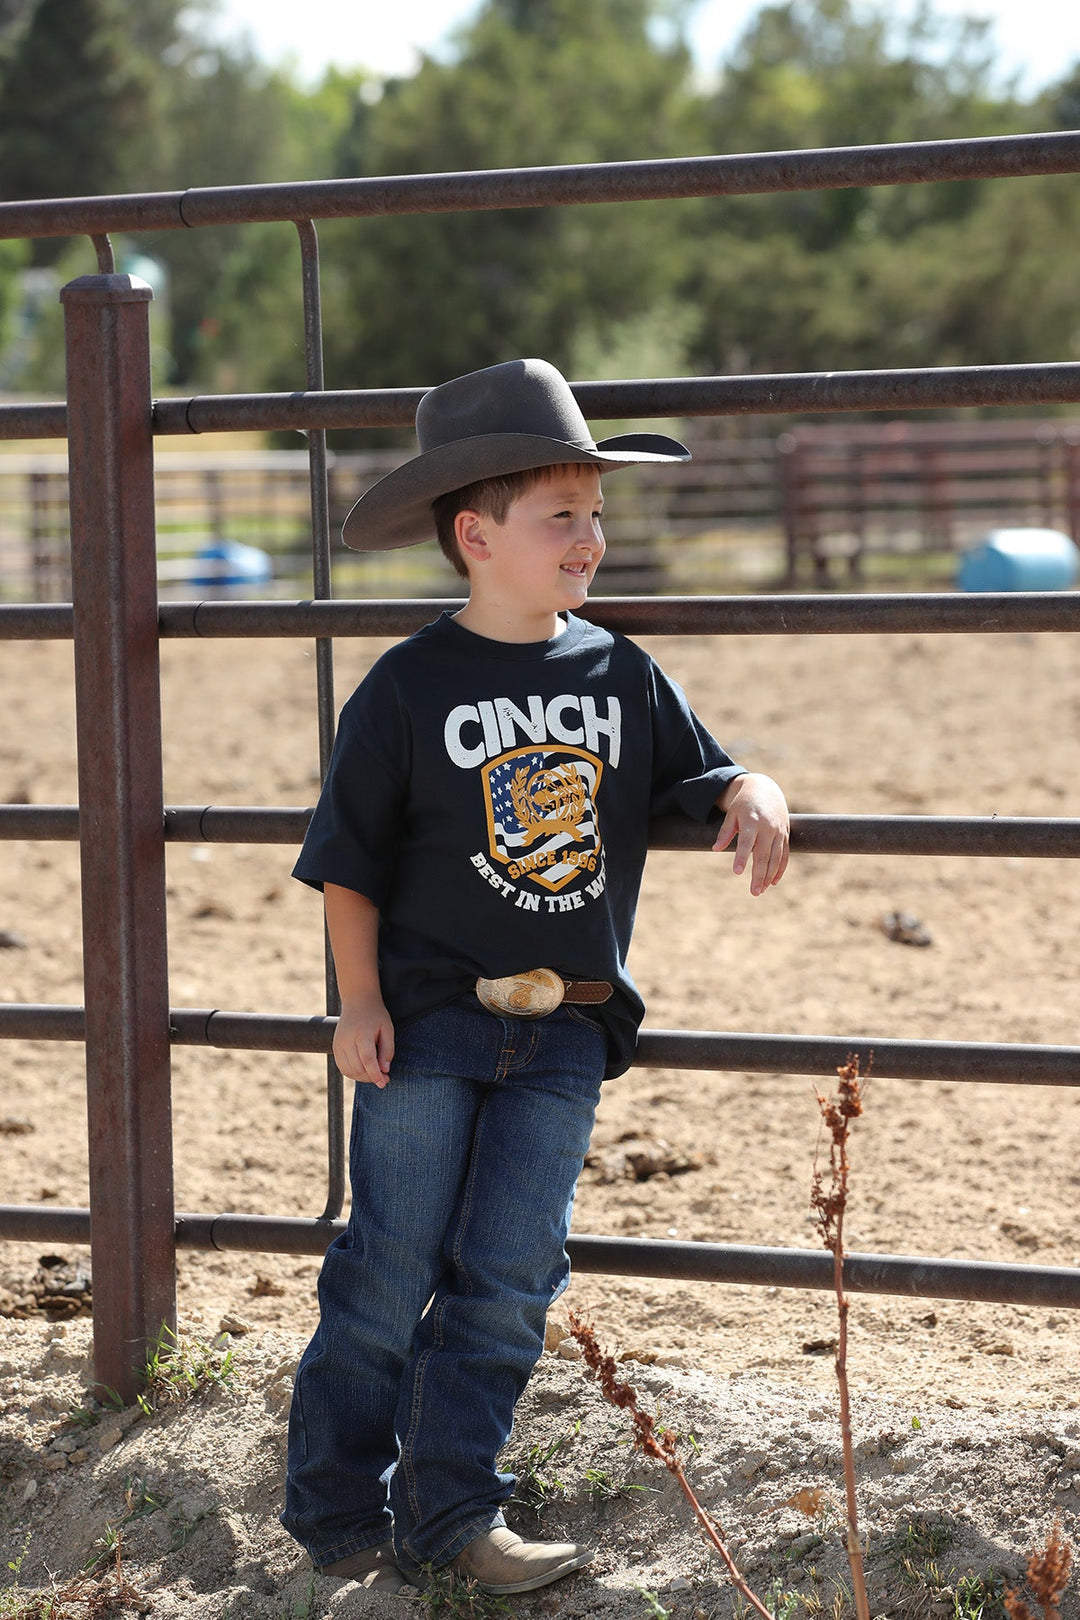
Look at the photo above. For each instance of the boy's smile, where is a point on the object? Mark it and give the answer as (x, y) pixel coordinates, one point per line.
(540, 562)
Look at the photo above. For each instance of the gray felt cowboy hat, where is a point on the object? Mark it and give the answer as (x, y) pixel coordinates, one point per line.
(503, 419)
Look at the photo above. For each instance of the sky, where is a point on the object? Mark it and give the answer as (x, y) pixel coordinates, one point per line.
(1037, 39)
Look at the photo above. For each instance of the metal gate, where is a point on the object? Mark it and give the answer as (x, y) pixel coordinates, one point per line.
(110, 421)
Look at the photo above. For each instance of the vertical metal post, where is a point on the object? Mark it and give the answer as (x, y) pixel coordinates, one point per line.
(322, 590)
(1072, 487)
(121, 820)
(790, 465)
(41, 559)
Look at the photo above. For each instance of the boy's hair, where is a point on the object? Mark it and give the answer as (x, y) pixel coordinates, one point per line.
(491, 497)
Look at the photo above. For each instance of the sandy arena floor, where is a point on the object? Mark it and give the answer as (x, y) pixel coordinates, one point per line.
(975, 725)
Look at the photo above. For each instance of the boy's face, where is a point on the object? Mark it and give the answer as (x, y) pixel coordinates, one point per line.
(544, 556)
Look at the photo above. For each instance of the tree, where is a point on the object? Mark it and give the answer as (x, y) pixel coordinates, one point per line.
(78, 86)
(418, 299)
(858, 276)
(227, 122)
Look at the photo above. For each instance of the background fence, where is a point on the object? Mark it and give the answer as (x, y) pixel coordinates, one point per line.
(116, 621)
(811, 505)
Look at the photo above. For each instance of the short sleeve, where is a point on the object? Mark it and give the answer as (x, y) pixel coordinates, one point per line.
(355, 829)
(690, 769)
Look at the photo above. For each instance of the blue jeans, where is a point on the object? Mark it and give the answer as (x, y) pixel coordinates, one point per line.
(432, 1302)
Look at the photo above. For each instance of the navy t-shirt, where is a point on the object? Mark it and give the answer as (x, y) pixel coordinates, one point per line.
(493, 800)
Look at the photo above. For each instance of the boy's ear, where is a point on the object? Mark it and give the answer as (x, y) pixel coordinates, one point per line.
(469, 533)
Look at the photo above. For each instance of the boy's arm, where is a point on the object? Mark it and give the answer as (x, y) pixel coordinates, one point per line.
(364, 1041)
(756, 816)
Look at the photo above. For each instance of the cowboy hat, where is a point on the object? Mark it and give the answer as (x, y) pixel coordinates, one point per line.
(503, 419)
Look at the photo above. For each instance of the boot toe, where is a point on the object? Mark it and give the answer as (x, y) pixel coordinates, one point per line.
(502, 1563)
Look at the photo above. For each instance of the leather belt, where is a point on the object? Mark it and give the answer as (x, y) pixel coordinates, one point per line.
(537, 992)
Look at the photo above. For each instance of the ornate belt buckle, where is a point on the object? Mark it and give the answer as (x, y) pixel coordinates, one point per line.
(522, 995)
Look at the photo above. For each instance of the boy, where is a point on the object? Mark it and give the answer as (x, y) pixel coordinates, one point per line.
(480, 840)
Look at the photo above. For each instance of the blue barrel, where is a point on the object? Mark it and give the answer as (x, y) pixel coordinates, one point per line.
(1020, 560)
(227, 562)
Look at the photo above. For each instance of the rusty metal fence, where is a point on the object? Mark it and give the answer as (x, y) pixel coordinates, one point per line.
(116, 621)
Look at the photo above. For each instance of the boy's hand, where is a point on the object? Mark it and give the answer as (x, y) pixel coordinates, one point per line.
(757, 817)
(364, 1041)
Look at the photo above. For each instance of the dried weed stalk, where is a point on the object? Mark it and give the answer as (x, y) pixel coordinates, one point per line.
(85, 1596)
(661, 1446)
(1048, 1576)
(829, 1202)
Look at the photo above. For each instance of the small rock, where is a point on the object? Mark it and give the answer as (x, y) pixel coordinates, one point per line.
(556, 1329)
(55, 1461)
(679, 1584)
(11, 941)
(1021, 1235)
(79, 1455)
(108, 1436)
(16, 1127)
(61, 1287)
(641, 1354)
(265, 1287)
(638, 1158)
(904, 928)
(569, 1350)
(236, 1325)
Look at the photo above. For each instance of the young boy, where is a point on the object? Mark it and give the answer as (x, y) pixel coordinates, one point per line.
(480, 840)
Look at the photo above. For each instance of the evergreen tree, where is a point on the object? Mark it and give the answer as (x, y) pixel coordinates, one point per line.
(79, 81)
(857, 276)
(534, 82)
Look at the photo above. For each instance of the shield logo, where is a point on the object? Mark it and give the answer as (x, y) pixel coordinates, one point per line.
(541, 813)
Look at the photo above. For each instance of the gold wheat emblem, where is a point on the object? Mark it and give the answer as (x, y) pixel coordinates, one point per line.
(549, 801)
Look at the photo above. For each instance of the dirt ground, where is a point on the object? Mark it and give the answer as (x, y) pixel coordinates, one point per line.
(977, 725)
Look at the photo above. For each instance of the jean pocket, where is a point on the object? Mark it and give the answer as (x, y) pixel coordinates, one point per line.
(583, 1018)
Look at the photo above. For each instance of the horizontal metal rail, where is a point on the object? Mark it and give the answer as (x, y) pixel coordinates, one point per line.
(902, 613)
(1033, 836)
(742, 174)
(976, 1061)
(909, 613)
(997, 1282)
(33, 421)
(764, 394)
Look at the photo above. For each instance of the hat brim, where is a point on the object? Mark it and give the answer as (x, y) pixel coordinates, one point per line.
(396, 511)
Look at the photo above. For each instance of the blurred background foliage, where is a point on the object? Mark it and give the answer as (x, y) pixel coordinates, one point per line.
(101, 96)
